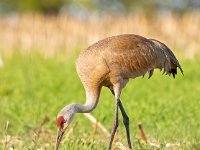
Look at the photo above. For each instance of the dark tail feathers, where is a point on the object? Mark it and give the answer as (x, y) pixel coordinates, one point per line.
(170, 64)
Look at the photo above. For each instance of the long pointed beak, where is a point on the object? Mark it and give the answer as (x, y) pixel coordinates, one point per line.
(59, 137)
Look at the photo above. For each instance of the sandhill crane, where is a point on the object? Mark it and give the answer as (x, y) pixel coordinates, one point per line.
(111, 62)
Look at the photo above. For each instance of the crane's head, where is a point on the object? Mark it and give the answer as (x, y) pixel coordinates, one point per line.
(63, 120)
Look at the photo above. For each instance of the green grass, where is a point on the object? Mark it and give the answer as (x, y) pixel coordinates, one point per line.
(33, 88)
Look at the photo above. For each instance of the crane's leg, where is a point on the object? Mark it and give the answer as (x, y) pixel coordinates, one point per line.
(126, 123)
(125, 118)
(116, 123)
(116, 88)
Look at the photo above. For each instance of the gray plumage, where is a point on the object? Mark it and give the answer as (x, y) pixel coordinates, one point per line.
(124, 56)
(111, 62)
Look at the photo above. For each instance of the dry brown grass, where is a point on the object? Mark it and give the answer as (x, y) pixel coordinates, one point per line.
(52, 35)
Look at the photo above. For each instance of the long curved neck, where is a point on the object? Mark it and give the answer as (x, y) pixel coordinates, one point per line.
(92, 99)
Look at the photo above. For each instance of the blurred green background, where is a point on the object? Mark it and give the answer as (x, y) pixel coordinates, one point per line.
(112, 6)
(39, 43)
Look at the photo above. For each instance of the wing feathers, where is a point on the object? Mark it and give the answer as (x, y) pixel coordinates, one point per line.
(170, 64)
(150, 73)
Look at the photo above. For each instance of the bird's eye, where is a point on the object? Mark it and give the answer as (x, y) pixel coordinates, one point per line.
(62, 124)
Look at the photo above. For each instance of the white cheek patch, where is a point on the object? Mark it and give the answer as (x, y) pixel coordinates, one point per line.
(65, 118)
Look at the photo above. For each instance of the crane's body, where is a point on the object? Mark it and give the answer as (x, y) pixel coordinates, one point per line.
(111, 63)
(123, 57)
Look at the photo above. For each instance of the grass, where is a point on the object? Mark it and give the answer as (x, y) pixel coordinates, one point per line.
(52, 35)
(33, 89)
